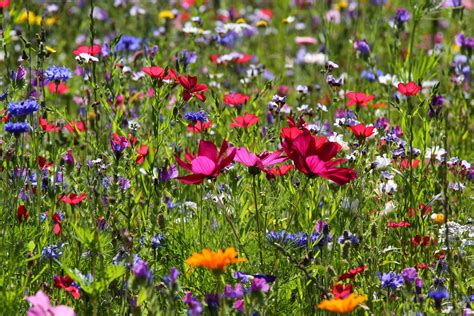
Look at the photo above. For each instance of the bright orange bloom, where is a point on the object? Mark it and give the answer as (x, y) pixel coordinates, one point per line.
(214, 260)
(343, 306)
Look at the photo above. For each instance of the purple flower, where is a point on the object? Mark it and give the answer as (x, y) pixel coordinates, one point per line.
(362, 47)
(174, 274)
(212, 301)
(165, 174)
(242, 277)
(19, 75)
(68, 158)
(409, 275)
(419, 285)
(402, 16)
(391, 280)
(22, 108)
(124, 183)
(438, 294)
(236, 293)
(141, 270)
(128, 43)
(194, 306)
(259, 285)
(239, 305)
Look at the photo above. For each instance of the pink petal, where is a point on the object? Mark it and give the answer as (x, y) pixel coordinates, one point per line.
(62, 310)
(207, 149)
(246, 158)
(315, 164)
(203, 165)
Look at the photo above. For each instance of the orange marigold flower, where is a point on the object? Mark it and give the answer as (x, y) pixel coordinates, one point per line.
(216, 261)
(343, 306)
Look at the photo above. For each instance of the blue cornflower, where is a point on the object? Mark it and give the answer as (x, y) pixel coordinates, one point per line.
(58, 73)
(17, 128)
(438, 294)
(193, 117)
(52, 252)
(187, 57)
(22, 108)
(128, 43)
(319, 240)
(402, 16)
(158, 241)
(347, 236)
(4, 95)
(391, 280)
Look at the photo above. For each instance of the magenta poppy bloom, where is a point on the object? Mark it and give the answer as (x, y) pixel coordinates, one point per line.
(192, 88)
(208, 163)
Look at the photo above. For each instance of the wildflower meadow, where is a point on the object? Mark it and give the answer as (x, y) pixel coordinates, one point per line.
(218, 157)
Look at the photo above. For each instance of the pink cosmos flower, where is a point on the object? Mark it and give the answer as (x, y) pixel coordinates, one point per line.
(42, 307)
(208, 163)
(259, 161)
(314, 157)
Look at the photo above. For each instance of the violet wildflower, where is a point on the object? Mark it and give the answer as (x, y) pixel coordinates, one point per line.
(259, 285)
(409, 274)
(391, 280)
(333, 82)
(236, 293)
(194, 306)
(19, 75)
(239, 305)
(141, 270)
(124, 183)
(362, 47)
(418, 285)
(57, 74)
(438, 294)
(402, 16)
(436, 105)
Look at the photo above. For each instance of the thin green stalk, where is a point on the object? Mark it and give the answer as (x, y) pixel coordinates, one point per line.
(257, 217)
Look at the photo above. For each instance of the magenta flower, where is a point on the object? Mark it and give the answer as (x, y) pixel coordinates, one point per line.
(259, 161)
(42, 307)
(208, 163)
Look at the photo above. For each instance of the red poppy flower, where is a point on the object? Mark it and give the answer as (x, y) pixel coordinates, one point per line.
(351, 274)
(57, 223)
(60, 88)
(199, 126)
(235, 99)
(73, 199)
(92, 50)
(142, 153)
(405, 164)
(362, 131)
(314, 157)
(5, 116)
(67, 283)
(208, 163)
(279, 171)
(22, 213)
(192, 88)
(48, 127)
(4, 4)
(43, 165)
(409, 89)
(398, 224)
(154, 72)
(73, 127)
(341, 291)
(245, 121)
(359, 98)
(294, 129)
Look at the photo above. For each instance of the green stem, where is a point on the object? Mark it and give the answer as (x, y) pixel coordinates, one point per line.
(257, 217)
